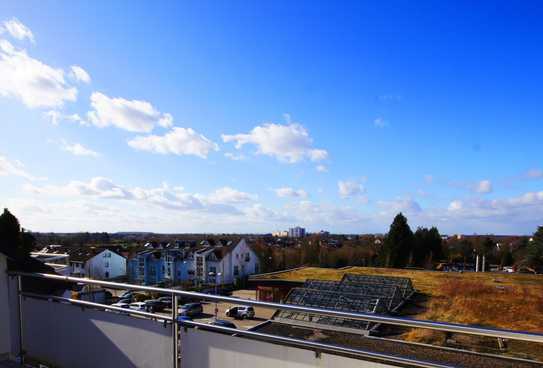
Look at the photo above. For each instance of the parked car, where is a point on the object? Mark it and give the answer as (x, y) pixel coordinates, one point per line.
(166, 301)
(119, 305)
(191, 309)
(154, 305)
(241, 312)
(183, 318)
(223, 323)
(139, 306)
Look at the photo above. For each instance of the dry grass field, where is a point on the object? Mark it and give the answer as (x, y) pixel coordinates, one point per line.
(510, 301)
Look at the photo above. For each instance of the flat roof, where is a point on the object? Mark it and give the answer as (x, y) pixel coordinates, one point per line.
(446, 356)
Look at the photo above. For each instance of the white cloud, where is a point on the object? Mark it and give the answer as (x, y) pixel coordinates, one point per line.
(218, 202)
(400, 205)
(455, 205)
(15, 168)
(380, 122)
(78, 149)
(233, 156)
(80, 74)
(258, 213)
(131, 115)
(290, 192)
(528, 205)
(484, 186)
(227, 195)
(178, 141)
(17, 30)
(323, 215)
(321, 168)
(349, 188)
(34, 83)
(288, 143)
(55, 117)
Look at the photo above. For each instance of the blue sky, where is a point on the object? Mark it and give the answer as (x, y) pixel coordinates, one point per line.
(256, 116)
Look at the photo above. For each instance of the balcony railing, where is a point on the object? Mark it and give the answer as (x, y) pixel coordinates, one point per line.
(304, 344)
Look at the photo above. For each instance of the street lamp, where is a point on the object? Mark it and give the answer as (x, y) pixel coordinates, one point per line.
(218, 274)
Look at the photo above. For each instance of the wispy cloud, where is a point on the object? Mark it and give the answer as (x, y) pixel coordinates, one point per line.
(380, 122)
(350, 188)
(17, 30)
(178, 141)
(78, 149)
(290, 192)
(131, 115)
(15, 168)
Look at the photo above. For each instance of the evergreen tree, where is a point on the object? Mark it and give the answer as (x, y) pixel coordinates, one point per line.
(13, 242)
(399, 243)
(534, 250)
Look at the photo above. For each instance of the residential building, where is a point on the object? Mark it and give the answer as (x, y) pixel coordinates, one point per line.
(161, 263)
(232, 259)
(296, 232)
(93, 262)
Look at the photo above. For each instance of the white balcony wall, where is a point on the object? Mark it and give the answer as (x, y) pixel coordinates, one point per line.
(5, 328)
(205, 349)
(65, 335)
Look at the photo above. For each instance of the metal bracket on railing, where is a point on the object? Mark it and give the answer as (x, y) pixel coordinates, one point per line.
(318, 354)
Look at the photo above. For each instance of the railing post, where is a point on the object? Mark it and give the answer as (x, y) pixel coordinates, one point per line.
(20, 300)
(175, 331)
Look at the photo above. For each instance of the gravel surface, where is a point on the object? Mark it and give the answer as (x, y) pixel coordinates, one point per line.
(464, 359)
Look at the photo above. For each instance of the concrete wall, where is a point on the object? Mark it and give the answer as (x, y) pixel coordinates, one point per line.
(5, 336)
(65, 335)
(204, 349)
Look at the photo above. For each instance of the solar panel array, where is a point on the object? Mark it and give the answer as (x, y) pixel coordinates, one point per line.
(404, 284)
(354, 293)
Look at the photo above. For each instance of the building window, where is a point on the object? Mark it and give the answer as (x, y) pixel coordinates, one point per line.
(256, 268)
(213, 269)
(236, 270)
(107, 264)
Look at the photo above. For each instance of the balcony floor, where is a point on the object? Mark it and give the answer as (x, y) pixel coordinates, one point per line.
(8, 364)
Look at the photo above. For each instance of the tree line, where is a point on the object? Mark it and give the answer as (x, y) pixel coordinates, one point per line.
(400, 248)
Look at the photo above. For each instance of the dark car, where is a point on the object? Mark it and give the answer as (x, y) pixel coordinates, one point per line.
(154, 305)
(191, 309)
(166, 301)
(183, 318)
(223, 323)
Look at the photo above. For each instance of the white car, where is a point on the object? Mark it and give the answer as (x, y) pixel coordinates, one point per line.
(139, 306)
(119, 305)
(241, 312)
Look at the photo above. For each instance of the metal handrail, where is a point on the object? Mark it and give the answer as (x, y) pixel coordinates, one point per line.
(320, 347)
(85, 303)
(315, 345)
(406, 322)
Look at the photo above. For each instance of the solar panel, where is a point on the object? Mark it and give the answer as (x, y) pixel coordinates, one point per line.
(403, 283)
(354, 293)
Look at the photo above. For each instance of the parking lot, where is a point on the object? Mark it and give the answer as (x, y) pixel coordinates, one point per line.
(208, 315)
(261, 314)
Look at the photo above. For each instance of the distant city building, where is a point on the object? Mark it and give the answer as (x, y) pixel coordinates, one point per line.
(296, 232)
(280, 234)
